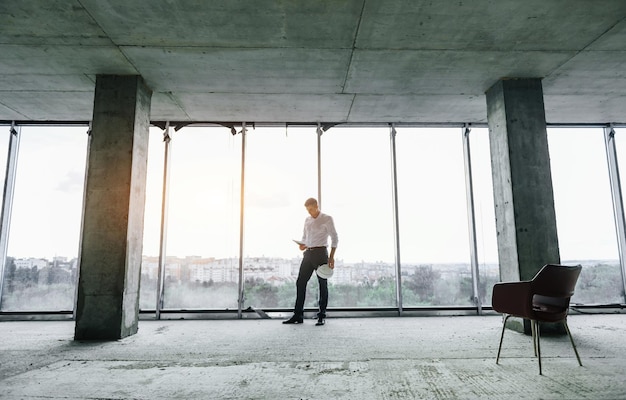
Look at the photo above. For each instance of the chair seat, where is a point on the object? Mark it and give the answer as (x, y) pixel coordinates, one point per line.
(547, 308)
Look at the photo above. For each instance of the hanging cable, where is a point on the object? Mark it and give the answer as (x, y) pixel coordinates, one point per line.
(396, 218)
(166, 132)
(241, 295)
(319, 131)
(160, 302)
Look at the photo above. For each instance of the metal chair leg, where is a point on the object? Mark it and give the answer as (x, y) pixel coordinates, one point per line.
(536, 339)
(501, 337)
(533, 332)
(572, 340)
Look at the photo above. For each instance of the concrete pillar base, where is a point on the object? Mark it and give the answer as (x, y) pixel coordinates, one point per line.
(523, 326)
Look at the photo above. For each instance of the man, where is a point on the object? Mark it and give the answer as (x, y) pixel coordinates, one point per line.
(318, 227)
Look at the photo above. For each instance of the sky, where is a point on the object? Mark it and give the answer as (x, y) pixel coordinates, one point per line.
(281, 172)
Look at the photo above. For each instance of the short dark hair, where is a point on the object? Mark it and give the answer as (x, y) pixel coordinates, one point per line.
(310, 202)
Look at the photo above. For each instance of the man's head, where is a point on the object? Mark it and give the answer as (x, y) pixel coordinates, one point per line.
(311, 206)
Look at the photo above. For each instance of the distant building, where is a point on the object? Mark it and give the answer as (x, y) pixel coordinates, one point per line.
(29, 263)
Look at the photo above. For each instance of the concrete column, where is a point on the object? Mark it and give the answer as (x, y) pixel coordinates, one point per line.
(112, 231)
(520, 163)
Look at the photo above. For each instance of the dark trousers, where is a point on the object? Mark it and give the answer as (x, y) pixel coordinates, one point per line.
(312, 259)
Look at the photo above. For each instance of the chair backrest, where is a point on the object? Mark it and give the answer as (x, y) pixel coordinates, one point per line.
(556, 280)
(552, 288)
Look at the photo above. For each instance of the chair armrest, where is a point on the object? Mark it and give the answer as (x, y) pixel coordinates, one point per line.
(513, 298)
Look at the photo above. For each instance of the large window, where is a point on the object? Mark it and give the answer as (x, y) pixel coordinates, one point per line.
(5, 132)
(584, 212)
(5, 135)
(484, 211)
(356, 192)
(434, 239)
(281, 173)
(202, 260)
(152, 220)
(203, 238)
(41, 267)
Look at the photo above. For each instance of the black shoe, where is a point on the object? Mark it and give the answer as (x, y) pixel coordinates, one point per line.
(320, 321)
(293, 320)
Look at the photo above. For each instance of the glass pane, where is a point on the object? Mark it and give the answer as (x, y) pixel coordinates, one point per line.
(434, 238)
(620, 146)
(281, 173)
(152, 221)
(5, 134)
(202, 260)
(584, 212)
(486, 236)
(46, 219)
(356, 192)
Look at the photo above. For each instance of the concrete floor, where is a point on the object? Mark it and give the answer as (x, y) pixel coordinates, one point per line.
(348, 358)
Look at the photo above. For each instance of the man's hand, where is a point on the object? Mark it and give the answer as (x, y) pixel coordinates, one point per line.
(302, 247)
(331, 258)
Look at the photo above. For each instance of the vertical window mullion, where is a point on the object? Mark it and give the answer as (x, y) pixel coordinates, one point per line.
(618, 203)
(319, 164)
(471, 216)
(7, 204)
(241, 299)
(396, 221)
(167, 145)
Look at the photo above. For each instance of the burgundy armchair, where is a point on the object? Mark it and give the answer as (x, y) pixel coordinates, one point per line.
(545, 298)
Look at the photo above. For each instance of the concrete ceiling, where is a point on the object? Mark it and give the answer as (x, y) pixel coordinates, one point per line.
(357, 61)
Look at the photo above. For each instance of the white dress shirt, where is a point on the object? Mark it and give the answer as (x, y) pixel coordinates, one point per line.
(317, 230)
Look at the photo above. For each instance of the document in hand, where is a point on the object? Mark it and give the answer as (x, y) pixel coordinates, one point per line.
(299, 242)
